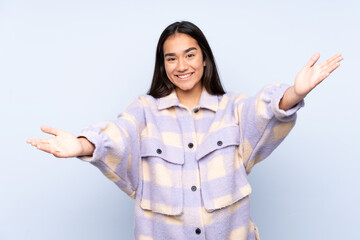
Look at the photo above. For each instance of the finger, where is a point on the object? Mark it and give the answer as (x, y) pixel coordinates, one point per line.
(327, 72)
(48, 148)
(331, 68)
(50, 130)
(313, 60)
(330, 61)
(36, 142)
(335, 61)
(45, 147)
(320, 78)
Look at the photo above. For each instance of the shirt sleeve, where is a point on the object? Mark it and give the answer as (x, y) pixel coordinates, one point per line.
(263, 125)
(117, 147)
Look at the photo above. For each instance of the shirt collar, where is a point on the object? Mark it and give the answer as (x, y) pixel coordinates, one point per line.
(168, 101)
(207, 100)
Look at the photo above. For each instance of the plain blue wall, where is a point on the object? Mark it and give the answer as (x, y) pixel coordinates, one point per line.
(68, 64)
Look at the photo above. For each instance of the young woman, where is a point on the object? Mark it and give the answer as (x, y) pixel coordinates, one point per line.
(183, 151)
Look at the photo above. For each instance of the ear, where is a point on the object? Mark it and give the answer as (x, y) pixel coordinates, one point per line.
(204, 63)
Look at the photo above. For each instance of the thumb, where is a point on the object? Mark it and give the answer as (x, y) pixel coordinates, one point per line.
(313, 60)
(50, 130)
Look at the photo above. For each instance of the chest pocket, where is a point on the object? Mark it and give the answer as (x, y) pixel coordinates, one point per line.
(222, 173)
(162, 190)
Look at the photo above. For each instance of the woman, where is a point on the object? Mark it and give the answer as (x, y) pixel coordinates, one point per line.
(183, 151)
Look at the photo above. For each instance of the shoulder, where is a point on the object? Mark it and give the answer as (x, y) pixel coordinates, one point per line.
(233, 98)
(143, 101)
(138, 105)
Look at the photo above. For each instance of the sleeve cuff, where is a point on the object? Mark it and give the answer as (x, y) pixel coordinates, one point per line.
(101, 143)
(282, 115)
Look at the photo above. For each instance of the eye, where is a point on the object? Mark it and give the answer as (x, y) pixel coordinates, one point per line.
(170, 59)
(190, 55)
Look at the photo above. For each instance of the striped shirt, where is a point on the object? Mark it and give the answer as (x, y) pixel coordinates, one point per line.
(187, 168)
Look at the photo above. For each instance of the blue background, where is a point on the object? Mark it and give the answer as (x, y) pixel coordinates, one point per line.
(69, 64)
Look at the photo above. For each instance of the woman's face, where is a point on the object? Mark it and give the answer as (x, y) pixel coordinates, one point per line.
(184, 63)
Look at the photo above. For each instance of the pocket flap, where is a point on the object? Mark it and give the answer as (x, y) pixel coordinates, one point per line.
(152, 147)
(162, 190)
(221, 138)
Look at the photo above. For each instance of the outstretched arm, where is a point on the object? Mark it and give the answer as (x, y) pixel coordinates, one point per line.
(308, 78)
(63, 144)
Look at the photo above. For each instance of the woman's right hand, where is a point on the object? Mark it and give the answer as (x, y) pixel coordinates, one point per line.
(63, 144)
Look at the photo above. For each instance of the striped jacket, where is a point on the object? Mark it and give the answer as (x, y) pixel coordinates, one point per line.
(187, 168)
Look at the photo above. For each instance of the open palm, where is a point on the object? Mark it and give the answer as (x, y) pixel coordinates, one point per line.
(62, 145)
(311, 75)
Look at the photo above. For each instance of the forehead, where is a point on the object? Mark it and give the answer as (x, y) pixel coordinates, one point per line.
(178, 43)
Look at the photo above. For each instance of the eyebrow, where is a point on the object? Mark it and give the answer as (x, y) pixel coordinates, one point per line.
(186, 51)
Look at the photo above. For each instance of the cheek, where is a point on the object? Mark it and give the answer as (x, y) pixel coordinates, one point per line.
(168, 69)
(201, 66)
(201, 70)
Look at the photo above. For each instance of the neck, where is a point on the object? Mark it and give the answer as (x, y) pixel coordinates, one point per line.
(189, 98)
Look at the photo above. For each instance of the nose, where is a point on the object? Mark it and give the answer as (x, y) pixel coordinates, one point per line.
(182, 65)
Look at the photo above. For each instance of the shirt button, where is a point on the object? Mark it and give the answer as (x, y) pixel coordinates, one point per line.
(193, 188)
(196, 110)
(190, 145)
(159, 151)
(219, 143)
(198, 231)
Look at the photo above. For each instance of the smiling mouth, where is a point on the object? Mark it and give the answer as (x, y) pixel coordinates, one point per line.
(184, 76)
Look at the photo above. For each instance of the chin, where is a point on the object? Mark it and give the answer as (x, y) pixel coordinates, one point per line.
(185, 88)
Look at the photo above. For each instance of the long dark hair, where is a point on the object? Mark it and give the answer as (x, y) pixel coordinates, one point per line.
(161, 86)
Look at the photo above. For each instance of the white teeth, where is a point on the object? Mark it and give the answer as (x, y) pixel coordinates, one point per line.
(184, 76)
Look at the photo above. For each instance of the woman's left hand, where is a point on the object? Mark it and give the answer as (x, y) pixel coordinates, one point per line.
(311, 75)
(308, 78)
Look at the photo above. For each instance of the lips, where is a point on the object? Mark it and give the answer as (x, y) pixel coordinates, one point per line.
(184, 76)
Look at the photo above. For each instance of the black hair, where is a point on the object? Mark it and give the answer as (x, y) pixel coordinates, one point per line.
(161, 86)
